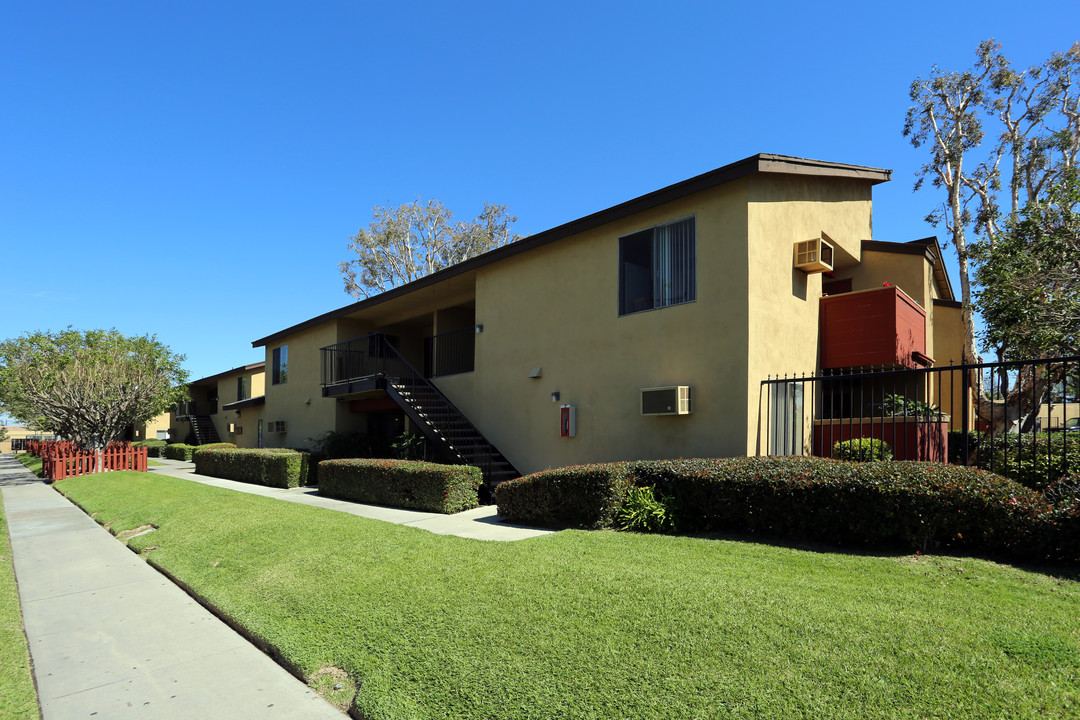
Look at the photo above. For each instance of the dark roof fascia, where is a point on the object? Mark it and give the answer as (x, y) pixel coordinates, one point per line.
(898, 248)
(243, 368)
(949, 303)
(241, 404)
(760, 163)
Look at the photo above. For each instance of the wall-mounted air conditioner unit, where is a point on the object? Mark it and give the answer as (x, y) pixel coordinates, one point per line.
(277, 426)
(670, 400)
(814, 255)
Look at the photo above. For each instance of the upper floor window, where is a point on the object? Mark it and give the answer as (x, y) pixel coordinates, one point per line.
(243, 389)
(280, 373)
(658, 267)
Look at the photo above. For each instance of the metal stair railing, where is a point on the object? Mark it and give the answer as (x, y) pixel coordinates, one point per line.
(437, 417)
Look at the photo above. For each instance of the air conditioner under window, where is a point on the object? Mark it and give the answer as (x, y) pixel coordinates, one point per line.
(814, 255)
(669, 400)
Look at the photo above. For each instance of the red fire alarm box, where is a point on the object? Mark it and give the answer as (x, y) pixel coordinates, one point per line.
(567, 421)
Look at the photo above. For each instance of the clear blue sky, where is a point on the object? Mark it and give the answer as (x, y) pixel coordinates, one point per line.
(195, 169)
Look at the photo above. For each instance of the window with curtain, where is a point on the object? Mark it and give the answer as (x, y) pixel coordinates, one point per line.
(657, 267)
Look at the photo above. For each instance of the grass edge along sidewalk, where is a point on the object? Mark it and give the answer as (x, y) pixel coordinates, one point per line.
(18, 696)
(604, 624)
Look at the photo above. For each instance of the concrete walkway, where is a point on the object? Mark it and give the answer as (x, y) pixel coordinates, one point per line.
(480, 523)
(110, 637)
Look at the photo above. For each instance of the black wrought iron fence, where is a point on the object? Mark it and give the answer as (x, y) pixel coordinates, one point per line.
(1020, 418)
(450, 352)
(366, 356)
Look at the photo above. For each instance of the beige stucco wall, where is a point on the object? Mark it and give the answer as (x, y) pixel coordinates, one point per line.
(782, 306)
(948, 335)
(556, 308)
(286, 401)
(910, 273)
(149, 430)
(228, 392)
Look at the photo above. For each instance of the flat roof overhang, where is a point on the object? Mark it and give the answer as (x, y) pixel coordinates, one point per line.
(241, 404)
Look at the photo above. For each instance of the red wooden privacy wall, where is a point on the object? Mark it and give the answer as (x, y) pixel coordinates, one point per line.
(871, 328)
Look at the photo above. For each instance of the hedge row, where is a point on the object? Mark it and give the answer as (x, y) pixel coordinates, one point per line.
(581, 496)
(154, 448)
(904, 505)
(1036, 460)
(401, 483)
(1032, 459)
(182, 451)
(273, 467)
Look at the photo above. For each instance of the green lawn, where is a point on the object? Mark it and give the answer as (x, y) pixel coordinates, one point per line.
(609, 625)
(18, 699)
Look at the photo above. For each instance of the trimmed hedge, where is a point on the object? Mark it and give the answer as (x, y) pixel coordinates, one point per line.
(153, 447)
(273, 467)
(582, 496)
(402, 483)
(185, 452)
(1036, 460)
(911, 505)
(903, 505)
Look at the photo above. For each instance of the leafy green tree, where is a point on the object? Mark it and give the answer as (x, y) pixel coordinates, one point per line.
(405, 243)
(1029, 280)
(89, 386)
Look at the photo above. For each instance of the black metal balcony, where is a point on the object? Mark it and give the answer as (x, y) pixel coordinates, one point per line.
(450, 353)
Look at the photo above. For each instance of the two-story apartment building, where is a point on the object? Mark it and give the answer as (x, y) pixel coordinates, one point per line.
(225, 407)
(640, 331)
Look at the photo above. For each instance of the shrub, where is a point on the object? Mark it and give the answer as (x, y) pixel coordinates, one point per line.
(862, 450)
(153, 447)
(583, 496)
(956, 445)
(1033, 459)
(1058, 532)
(911, 505)
(185, 452)
(643, 511)
(1065, 491)
(273, 467)
(340, 444)
(402, 483)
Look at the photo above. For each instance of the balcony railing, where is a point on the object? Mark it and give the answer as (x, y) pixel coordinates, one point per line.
(362, 357)
(450, 352)
(371, 355)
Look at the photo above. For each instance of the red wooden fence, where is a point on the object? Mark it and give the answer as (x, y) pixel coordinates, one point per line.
(64, 459)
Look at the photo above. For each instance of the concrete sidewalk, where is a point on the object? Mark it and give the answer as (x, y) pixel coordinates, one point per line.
(110, 637)
(482, 523)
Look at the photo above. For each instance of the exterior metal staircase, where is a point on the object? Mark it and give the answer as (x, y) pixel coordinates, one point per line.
(432, 413)
(204, 429)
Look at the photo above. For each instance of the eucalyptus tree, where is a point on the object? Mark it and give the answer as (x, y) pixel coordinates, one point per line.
(407, 242)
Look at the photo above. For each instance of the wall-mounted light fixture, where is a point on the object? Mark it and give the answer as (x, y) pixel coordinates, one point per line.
(479, 328)
(536, 372)
(308, 401)
(555, 396)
